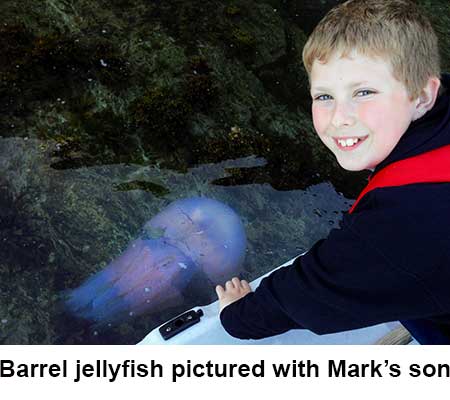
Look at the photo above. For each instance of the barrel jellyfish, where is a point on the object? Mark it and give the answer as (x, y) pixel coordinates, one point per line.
(190, 235)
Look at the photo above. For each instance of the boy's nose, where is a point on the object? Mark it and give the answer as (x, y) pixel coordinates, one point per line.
(343, 115)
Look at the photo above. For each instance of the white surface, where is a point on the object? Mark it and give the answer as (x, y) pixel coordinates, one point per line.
(210, 331)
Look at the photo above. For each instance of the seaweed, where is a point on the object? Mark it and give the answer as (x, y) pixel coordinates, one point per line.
(163, 113)
(190, 22)
(154, 188)
(95, 139)
(242, 42)
(200, 89)
(43, 67)
(21, 244)
(232, 10)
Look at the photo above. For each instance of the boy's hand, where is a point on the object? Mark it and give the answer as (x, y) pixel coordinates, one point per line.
(234, 290)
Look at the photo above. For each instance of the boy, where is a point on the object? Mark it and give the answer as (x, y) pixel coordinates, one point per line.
(378, 102)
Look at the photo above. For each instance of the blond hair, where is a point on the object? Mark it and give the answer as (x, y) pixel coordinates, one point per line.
(396, 30)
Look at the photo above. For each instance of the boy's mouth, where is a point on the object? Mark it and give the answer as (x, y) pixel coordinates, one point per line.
(349, 143)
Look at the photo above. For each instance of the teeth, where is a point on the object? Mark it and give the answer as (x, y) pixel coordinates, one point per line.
(347, 142)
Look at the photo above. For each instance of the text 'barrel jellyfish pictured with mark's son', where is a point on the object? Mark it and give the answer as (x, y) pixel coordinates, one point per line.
(190, 235)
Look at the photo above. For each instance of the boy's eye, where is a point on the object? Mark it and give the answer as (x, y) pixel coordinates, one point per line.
(362, 93)
(323, 97)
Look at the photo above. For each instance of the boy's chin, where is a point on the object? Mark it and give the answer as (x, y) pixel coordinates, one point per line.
(355, 167)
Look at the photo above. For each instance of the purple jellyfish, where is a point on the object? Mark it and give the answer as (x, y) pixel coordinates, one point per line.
(190, 235)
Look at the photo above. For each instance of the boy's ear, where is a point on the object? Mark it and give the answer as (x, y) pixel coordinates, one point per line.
(427, 97)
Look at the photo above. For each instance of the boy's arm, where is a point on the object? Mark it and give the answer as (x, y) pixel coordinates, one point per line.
(342, 283)
(253, 317)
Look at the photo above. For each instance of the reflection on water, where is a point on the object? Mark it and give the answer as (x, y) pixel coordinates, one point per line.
(61, 226)
(112, 110)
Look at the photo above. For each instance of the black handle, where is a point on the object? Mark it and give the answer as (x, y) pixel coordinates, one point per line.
(180, 323)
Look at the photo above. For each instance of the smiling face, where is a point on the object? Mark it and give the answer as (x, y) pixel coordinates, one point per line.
(360, 111)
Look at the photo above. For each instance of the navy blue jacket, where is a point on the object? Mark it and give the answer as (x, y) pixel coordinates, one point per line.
(389, 261)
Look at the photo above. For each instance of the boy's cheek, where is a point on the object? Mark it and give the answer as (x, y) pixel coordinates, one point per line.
(370, 114)
(376, 117)
(320, 117)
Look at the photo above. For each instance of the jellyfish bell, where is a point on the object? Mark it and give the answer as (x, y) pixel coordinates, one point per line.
(210, 232)
(189, 236)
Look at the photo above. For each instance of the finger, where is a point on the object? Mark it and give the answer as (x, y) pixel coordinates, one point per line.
(245, 284)
(236, 281)
(229, 285)
(220, 291)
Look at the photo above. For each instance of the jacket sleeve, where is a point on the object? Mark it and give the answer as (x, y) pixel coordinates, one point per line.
(342, 283)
